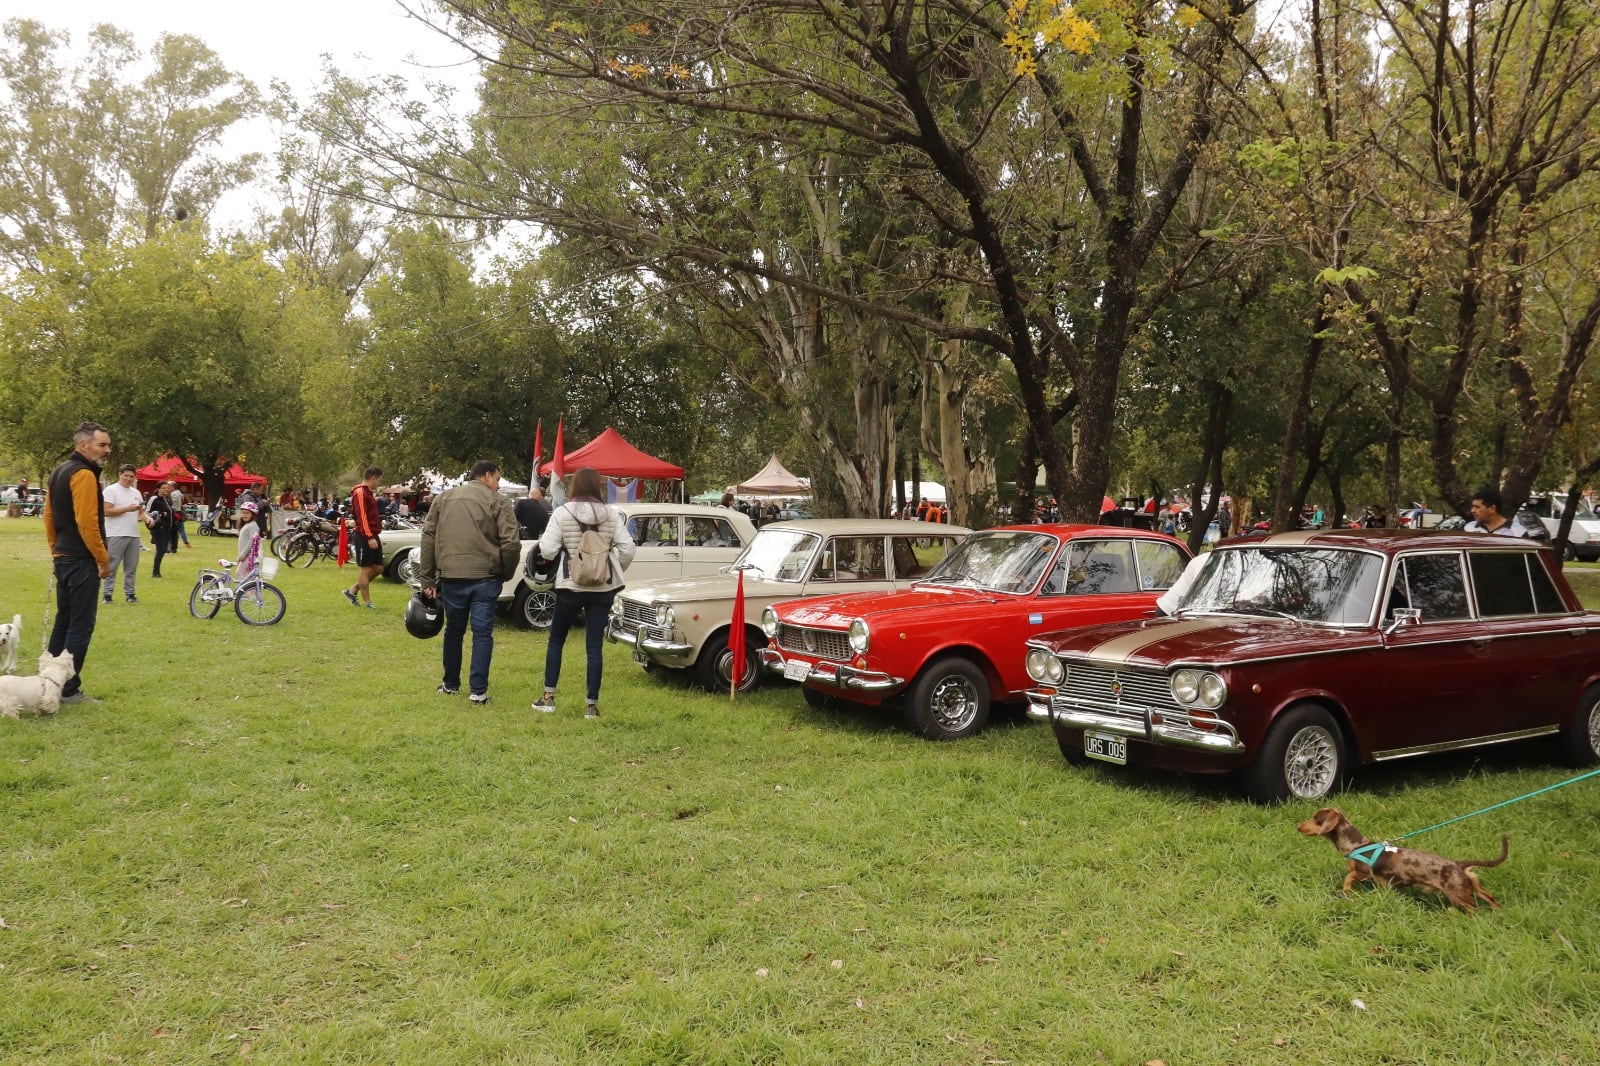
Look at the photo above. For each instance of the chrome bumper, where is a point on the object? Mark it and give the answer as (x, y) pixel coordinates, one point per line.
(652, 643)
(1166, 726)
(838, 675)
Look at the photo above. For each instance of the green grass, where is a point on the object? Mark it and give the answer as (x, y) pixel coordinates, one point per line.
(281, 845)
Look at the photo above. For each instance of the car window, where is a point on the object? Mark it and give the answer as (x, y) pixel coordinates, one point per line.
(1431, 583)
(858, 559)
(703, 532)
(1094, 567)
(1002, 560)
(779, 554)
(654, 531)
(1160, 564)
(914, 557)
(1512, 583)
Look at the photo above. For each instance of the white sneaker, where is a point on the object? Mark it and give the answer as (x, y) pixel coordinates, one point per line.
(546, 703)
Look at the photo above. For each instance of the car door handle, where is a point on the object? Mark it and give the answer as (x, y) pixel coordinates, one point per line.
(1480, 642)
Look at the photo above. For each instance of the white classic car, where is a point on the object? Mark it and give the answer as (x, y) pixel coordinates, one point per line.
(674, 539)
(685, 623)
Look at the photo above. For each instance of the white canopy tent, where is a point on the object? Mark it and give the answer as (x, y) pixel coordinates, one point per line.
(773, 480)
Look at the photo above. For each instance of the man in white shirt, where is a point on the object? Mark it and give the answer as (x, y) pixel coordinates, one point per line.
(124, 508)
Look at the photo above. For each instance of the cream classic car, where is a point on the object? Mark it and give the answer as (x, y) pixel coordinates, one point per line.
(685, 623)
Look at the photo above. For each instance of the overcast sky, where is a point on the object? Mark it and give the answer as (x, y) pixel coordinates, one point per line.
(279, 39)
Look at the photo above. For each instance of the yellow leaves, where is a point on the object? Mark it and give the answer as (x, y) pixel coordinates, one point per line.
(1048, 26)
(1189, 17)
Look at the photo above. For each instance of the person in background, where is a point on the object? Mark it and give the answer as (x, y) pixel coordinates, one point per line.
(124, 511)
(365, 522)
(75, 528)
(727, 501)
(180, 520)
(586, 509)
(533, 514)
(470, 545)
(1486, 516)
(159, 508)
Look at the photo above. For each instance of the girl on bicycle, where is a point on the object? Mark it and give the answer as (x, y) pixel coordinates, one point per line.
(249, 541)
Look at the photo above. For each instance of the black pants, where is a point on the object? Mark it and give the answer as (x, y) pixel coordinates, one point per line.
(164, 546)
(77, 605)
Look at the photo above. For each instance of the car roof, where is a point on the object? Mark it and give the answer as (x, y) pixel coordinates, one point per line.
(881, 526)
(1384, 540)
(1073, 530)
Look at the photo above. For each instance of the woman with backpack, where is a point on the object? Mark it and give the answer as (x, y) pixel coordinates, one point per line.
(597, 548)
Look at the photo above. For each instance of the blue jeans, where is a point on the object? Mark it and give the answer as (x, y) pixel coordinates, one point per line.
(77, 605)
(469, 599)
(596, 606)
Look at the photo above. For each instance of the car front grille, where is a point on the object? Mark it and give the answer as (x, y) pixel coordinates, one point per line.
(636, 614)
(1115, 690)
(823, 643)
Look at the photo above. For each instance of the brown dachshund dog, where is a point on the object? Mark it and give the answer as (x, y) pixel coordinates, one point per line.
(1396, 867)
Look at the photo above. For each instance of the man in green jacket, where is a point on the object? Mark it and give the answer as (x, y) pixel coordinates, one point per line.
(75, 527)
(471, 545)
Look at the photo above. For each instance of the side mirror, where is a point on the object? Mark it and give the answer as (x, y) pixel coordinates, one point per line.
(1402, 616)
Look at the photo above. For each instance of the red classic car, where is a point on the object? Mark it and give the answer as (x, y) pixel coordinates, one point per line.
(1293, 657)
(952, 644)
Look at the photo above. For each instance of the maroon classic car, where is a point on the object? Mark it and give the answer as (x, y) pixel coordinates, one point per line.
(952, 643)
(1293, 657)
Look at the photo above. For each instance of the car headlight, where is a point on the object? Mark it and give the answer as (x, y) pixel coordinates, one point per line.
(664, 615)
(1199, 688)
(1045, 668)
(860, 639)
(769, 622)
(1213, 691)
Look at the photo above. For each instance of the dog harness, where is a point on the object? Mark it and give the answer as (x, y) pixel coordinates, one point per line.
(1371, 853)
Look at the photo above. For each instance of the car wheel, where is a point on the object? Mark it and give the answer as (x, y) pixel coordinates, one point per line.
(534, 609)
(949, 700)
(391, 569)
(1071, 752)
(1301, 757)
(1580, 741)
(818, 699)
(409, 568)
(714, 668)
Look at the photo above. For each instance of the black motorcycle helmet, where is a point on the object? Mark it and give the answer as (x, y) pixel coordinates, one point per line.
(538, 571)
(424, 618)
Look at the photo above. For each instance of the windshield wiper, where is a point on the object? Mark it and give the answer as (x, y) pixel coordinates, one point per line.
(1265, 611)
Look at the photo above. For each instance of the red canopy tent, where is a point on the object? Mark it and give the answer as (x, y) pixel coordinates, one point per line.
(171, 468)
(613, 456)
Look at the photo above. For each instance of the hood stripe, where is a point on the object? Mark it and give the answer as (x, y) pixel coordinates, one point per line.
(1125, 647)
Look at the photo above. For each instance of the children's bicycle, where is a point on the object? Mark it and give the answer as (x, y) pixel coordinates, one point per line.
(256, 602)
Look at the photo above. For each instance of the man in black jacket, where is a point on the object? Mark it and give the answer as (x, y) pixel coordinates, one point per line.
(75, 527)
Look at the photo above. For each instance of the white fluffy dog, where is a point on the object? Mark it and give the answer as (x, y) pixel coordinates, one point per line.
(10, 639)
(41, 694)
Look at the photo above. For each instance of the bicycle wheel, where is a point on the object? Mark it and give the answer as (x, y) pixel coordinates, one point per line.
(199, 605)
(259, 604)
(280, 543)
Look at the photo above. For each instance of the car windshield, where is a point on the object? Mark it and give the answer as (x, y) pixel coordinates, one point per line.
(779, 554)
(1002, 560)
(1327, 586)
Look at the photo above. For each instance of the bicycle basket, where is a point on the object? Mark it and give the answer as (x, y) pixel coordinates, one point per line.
(269, 567)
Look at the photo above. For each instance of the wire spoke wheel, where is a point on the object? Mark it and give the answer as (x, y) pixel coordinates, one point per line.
(259, 604)
(204, 601)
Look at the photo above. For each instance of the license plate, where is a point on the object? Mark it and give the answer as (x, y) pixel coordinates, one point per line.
(638, 649)
(1107, 747)
(796, 670)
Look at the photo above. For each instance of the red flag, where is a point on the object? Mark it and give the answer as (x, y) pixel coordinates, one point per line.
(736, 638)
(344, 544)
(538, 450)
(558, 461)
